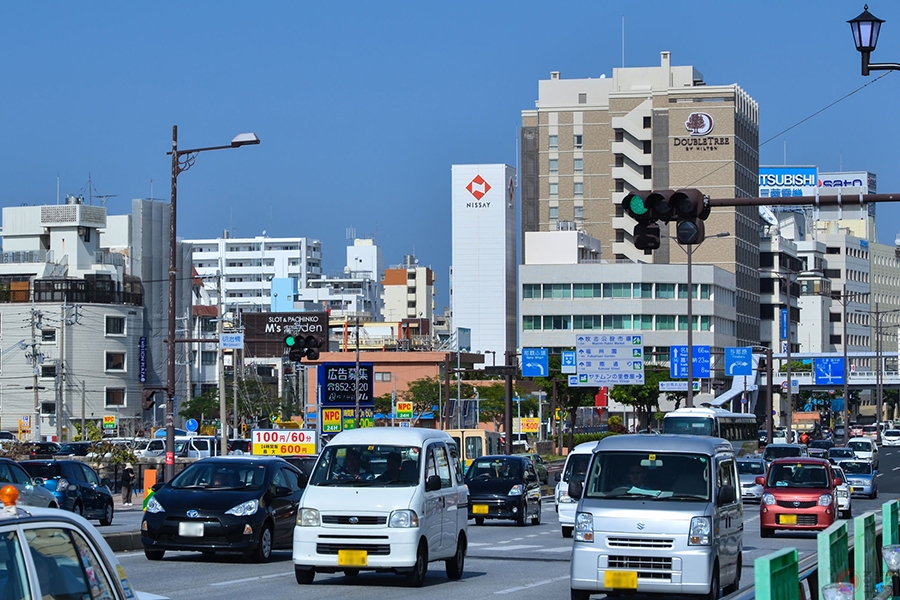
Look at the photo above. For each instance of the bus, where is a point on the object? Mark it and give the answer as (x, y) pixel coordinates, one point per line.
(474, 443)
(738, 428)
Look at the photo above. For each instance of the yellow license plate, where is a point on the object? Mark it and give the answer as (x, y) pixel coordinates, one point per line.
(353, 558)
(620, 580)
(788, 519)
(480, 509)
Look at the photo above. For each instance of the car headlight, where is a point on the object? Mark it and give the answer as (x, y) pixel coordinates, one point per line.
(308, 517)
(768, 499)
(516, 490)
(825, 500)
(584, 527)
(842, 493)
(153, 506)
(563, 497)
(403, 518)
(244, 509)
(699, 532)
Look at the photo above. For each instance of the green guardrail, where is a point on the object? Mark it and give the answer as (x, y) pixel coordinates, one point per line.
(865, 563)
(890, 532)
(777, 575)
(833, 548)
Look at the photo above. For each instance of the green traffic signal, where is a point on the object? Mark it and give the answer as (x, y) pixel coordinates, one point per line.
(635, 206)
(290, 341)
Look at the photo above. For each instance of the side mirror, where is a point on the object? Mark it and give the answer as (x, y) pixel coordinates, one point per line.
(760, 480)
(836, 482)
(576, 488)
(157, 486)
(433, 483)
(282, 491)
(726, 495)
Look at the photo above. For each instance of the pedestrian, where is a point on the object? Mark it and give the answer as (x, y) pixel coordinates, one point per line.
(127, 484)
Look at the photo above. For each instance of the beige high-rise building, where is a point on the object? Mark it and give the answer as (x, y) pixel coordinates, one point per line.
(590, 141)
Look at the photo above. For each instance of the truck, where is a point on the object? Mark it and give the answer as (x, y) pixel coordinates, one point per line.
(808, 422)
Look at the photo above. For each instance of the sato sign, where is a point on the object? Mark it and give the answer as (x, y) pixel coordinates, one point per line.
(535, 362)
(678, 366)
(609, 359)
(337, 385)
(283, 442)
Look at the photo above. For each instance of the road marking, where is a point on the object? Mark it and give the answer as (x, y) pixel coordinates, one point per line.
(531, 585)
(246, 579)
(472, 544)
(559, 550)
(518, 547)
(896, 469)
(748, 519)
(532, 535)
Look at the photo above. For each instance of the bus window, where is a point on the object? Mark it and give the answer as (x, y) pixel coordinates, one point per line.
(474, 449)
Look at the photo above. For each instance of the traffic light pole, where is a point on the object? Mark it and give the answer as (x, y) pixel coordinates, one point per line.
(690, 326)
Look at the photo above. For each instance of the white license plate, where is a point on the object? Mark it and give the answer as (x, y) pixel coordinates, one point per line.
(189, 529)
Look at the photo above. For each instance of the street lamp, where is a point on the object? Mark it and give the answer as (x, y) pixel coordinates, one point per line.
(182, 160)
(866, 28)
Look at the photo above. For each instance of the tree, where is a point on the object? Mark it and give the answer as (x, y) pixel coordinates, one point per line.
(426, 393)
(492, 404)
(643, 398)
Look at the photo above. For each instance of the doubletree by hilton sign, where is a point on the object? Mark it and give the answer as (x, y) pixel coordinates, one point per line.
(699, 125)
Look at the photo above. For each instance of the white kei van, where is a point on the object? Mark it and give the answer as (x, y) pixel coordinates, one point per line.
(658, 514)
(383, 499)
(576, 464)
(194, 446)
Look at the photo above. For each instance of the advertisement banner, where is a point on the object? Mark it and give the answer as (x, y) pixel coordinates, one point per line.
(783, 182)
(264, 333)
(283, 442)
(404, 410)
(338, 388)
(331, 420)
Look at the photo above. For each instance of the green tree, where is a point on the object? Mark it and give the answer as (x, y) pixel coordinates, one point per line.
(426, 393)
(492, 405)
(643, 398)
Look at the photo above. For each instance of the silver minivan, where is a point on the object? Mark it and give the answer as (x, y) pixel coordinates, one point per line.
(658, 514)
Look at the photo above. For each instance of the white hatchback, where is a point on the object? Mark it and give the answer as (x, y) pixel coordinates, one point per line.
(890, 437)
(864, 449)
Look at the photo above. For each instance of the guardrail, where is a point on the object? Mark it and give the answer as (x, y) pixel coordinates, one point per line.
(782, 576)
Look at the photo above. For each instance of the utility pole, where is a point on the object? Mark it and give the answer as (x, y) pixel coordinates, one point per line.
(36, 359)
(220, 364)
(356, 377)
(61, 421)
(83, 430)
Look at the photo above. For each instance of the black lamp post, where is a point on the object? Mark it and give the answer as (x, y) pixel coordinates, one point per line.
(866, 28)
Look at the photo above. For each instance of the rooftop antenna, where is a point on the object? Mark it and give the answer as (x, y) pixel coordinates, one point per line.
(623, 42)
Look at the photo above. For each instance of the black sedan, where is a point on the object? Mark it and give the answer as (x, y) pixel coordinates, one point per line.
(231, 503)
(76, 486)
(504, 487)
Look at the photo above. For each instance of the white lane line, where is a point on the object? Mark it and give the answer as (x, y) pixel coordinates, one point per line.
(472, 544)
(748, 519)
(555, 550)
(531, 585)
(246, 579)
(896, 469)
(532, 535)
(518, 547)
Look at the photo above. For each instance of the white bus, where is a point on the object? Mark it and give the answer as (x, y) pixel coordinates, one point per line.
(738, 428)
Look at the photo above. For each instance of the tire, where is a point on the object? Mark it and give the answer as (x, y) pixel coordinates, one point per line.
(736, 585)
(78, 509)
(351, 572)
(416, 577)
(479, 521)
(107, 517)
(765, 532)
(536, 520)
(263, 551)
(714, 589)
(304, 576)
(520, 517)
(154, 554)
(580, 594)
(455, 565)
(567, 531)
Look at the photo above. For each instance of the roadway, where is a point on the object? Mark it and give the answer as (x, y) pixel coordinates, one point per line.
(530, 562)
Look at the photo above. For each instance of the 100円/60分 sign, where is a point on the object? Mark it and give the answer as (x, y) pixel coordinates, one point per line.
(283, 442)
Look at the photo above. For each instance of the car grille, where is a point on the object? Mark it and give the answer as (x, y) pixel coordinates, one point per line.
(619, 542)
(373, 549)
(807, 520)
(647, 567)
(791, 504)
(346, 520)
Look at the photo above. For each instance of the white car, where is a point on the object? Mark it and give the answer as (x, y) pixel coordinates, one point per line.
(865, 449)
(890, 437)
(843, 494)
(575, 468)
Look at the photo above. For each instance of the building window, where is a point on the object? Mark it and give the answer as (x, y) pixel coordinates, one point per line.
(617, 290)
(648, 172)
(648, 147)
(115, 325)
(554, 190)
(620, 185)
(620, 160)
(619, 322)
(620, 135)
(578, 140)
(643, 322)
(665, 322)
(557, 291)
(554, 165)
(582, 98)
(48, 336)
(554, 213)
(579, 213)
(557, 322)
(383, 376)
(579, 165)
(553, 142)
(587, 322)
(115, 396)
(587, 290)
(48, 371)
(665, 291)
(115, 361)
(643, 290)
(531, 322)
(208, 357)
(531, 290)
(647, 123)
(579, 189)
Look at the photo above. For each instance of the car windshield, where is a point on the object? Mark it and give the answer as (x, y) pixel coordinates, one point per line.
(72, 448)
(642, 476)
(576, 467)
(841, 453)
(891, 433)
(797, 475)
(870, 429)
(860, 446)
(857, 467)
(494, 468)
(44, 470)
(773, 452)
(221, 474)
(751, 467)
(368, 465)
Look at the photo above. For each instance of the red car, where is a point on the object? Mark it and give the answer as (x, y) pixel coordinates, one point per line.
(798, 493)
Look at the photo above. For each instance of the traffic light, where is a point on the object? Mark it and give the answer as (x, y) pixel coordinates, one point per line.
(302, 346)
(147, 400)
(691, 207)
(646, 235)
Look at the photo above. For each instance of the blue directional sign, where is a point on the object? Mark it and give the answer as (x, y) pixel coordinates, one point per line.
(609, 359)
(232, 341)
(678, 362)
(535, 362)
(738, 361)
(784, 324)
(829, 371)
(567, 363)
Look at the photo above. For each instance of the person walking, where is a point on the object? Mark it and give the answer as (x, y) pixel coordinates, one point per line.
(127, 484)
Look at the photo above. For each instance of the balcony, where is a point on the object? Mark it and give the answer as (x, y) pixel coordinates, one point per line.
(26, 256)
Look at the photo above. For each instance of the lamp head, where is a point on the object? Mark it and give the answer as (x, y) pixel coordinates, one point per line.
(244, 139)
(865, 30)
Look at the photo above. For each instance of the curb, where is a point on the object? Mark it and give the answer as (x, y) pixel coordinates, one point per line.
(124, 541)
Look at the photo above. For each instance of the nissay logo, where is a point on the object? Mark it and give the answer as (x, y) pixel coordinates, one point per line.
(699, 123)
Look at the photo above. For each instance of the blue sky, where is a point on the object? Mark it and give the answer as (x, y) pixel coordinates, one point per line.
(362, 107)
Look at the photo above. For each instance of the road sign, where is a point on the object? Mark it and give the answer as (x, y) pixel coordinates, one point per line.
(739, 361)
(501, 370)
(109, 421)
(232, 341)
(829, 371)
(567, 363)
(404, 410)
(191, 424)
(283, 442)
(677, 386)
(25, 422)
(535, 362)
(678, 362)
(795, 386)
(609, 359)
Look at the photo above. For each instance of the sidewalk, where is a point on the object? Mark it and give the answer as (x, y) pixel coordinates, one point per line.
(137, 501)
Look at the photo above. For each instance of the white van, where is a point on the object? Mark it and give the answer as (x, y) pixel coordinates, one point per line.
(195, 446)
(384, 499)
(576, 464)
(658, 514)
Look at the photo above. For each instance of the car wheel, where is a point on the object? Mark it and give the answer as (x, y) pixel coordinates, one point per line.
(536, 519)
(580, 594)
(263, 551)
(107, 517)
(736, 585)
(479, 521)
(714, 589)
(567, 532)
(765, 532)
(416, 578)
(520, 518)
(455, 565)
(78, 509)
(304, 576)
(154, 554)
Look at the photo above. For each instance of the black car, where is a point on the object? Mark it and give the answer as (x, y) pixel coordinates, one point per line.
(304, 463)
(76, 486)
(825, 445)
(41, 449)
(231, 503)
(74, 449)
(504, 487)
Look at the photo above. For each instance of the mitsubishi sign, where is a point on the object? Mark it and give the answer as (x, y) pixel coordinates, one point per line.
(783, 182)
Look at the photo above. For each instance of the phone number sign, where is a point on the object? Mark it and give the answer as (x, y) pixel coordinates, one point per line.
(283, 442)
(338, 386)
